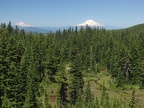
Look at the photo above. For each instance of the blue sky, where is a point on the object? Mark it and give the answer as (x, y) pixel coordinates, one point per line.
(120, 13)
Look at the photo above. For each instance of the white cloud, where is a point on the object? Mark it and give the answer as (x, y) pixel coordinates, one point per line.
(22, 24)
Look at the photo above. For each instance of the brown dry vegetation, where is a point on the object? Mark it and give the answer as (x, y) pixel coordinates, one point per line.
(96, 83)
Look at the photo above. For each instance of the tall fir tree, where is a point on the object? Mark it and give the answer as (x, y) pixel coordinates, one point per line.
(77, 81)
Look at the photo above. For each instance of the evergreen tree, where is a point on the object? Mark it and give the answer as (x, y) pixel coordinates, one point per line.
(43, 93)
(10, 29)
(31, 79)
(105, 99)
(77, 81)
(88, 96)
(63, 77)
(10, 62)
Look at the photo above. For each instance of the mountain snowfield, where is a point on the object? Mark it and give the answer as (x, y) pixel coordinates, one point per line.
(23, 24)
(90, 23)
(38, 29)
(87, 22)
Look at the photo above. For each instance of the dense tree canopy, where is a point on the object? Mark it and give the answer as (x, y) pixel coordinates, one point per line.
(29, 62)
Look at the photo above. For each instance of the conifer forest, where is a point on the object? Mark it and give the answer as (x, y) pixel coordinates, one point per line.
(87, 67)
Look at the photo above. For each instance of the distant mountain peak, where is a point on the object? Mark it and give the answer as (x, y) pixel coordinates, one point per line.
(23, 24)
(90, 23)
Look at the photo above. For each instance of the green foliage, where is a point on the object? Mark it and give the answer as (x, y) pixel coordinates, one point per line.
(105, 98)
(88, 96)
(132, 103)
(30, 62)
(97, 104)
(136, 29)
(77, 80)
(42, 98)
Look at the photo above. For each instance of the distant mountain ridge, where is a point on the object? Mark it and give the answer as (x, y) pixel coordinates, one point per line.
(137, 28)
(54, 29)
(90, 23)
(134, 29)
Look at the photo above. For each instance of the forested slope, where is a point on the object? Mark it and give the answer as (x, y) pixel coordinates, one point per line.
(136, 29)
(29, 63)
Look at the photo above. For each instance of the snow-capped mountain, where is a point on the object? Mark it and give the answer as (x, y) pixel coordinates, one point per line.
(38, 29)
(23, 24)
(90, 23)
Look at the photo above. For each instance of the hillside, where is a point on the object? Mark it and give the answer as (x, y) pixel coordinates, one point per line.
(137, 28)
(134, 29)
